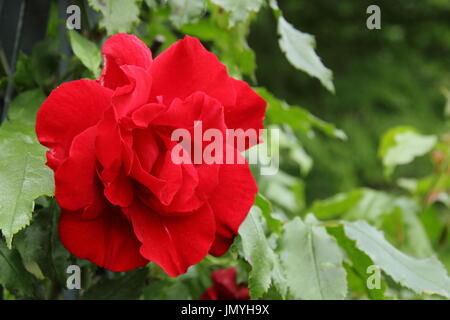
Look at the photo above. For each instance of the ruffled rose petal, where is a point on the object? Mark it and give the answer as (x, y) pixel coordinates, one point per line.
(120, 191)
(174, 243)
(69, 110)
(231, 201)
(187, 67)
(145, 114)
(185, 201)
(107, 241)
(247, 113)
(123, 49)
(108, 143)
(136, 93)
(77, 183)
(196, 107)
(145, 146)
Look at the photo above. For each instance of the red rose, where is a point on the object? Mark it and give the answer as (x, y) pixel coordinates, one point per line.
(225, 287)
(124, 201)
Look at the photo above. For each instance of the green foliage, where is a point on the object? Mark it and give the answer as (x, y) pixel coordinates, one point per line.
(40, 247)
(117, 15)
(258, 253)
(13, 274)
(424, 276)
(298, 118)
(186, 11)
(121, 286)
(357, 264)
(337, 205)
(401, 145)
(239, 10)
(87, 51)
(313, 261)
(273, 224)
(23, 174)
(299, 49)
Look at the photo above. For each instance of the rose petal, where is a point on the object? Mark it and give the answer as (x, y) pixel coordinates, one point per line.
(107, 241)
(145, 145)
(120, 191)
(110, 149)
(123, 49)
(63, 115)
(174, 243)
(186, 199)
(77, 183)
(108, 144)
(231, 201)
(247, 113)
(136, 93)
(143, 116)
(187, 67)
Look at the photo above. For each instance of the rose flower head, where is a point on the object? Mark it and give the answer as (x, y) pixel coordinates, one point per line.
(124, 200)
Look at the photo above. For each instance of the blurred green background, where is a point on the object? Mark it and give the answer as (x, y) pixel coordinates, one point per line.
(383, 78)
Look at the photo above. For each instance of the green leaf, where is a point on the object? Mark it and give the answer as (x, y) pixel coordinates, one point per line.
(312, 261)
(186, 11)
(167, 290)
(151, 3)
(235, 52)
(45, 59)
(22, 78)
(23, 176)
(274, 6)
(239, 10)
(265, 206)
(401, 145)
(289, 141)
(359, 262)
(14, 276)
(118, 15)
(204, 29)
(379, 208)
(417, 241)
(87, 51)
(423, 276)
(284, 190)
(266, 268)
(40, 247)
(335, 206)
(279, 112)
(159, 30)
(123, 286)
(299, 48)
(25, 106)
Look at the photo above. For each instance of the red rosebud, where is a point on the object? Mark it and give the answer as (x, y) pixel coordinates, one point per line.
(225, 287)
